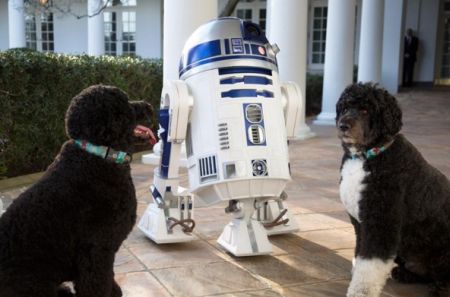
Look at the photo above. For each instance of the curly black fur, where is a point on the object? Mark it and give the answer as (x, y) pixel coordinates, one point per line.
(69, 225)
(405, 206)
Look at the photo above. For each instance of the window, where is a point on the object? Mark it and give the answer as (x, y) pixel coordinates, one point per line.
(39, 32)
(30, 32)
(120, 28)
(47, 32)
(245, 14)
(129, 33)
(110, 33)
(253, 11)
(319, 34)
(262, 19)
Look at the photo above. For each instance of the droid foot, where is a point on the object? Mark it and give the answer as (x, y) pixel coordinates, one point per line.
(245, 239)
(161, 230)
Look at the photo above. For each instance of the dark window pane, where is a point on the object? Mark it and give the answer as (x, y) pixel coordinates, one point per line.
(324, 24)
(316, 58)
(133, 47)
(325, 11)
(240, 14)
(50, 26)
(44, 46)
(262, 13)
(51, 45)
(324, 35)
(248, 14)
(113, 47)
(317, 24)
(317, 12)
(50, 36)
(44, 26)
(323, 46)
(316, 35)
(316, 47)
(322, 58)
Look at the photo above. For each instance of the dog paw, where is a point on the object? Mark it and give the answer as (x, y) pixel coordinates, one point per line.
(438, 289)
(404, 276)
(65, 292)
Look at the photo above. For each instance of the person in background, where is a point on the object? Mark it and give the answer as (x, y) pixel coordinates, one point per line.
(411, 45)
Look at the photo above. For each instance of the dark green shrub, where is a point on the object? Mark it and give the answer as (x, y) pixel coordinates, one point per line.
(314, 87)
(35, 91)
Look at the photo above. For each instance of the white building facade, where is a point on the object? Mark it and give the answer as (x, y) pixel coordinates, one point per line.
(339, 35)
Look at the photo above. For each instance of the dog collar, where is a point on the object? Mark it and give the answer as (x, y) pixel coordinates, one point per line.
(104, 152)
(373, 152)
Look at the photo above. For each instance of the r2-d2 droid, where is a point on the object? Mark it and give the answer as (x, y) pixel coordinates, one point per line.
(235, 117)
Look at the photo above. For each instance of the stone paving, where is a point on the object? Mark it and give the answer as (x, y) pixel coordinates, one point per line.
(314, 262)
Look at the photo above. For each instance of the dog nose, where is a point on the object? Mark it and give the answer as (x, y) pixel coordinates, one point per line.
(344, 127)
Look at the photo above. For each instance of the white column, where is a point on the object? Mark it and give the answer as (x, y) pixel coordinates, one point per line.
(288, 28)
(392, 45)
(16, 23)
(96, 39)
(338, 71)
(181, 18)
(371, 41)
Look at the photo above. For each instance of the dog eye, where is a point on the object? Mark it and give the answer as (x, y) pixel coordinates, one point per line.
(344, 110)
(364, 111)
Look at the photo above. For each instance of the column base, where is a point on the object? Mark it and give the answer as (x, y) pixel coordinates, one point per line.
(325, 119)
(304, 132)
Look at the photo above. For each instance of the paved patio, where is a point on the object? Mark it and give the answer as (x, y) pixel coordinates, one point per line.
(316, 261)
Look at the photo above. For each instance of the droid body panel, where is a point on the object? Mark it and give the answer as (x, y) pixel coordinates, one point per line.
(236, 117)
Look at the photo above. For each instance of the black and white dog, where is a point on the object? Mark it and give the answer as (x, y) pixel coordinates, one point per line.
(399, 205)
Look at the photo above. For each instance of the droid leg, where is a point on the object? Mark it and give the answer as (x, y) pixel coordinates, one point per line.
(170, 217)
(244, 236)
(275, 217)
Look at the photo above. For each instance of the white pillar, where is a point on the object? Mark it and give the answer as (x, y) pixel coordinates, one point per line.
(181, 18)
(96, 39)
(392, 45)
(371, 41)
(288, 28)
(16, 23)
(338, 71)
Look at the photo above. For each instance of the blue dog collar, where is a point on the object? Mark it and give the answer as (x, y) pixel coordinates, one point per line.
(103, 151)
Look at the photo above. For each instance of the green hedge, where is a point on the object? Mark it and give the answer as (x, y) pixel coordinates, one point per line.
(36, 88)
(35, 91)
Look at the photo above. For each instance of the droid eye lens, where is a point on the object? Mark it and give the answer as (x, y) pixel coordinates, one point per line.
(253, 30)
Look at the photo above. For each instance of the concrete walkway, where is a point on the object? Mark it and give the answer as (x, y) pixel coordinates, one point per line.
(316, 261)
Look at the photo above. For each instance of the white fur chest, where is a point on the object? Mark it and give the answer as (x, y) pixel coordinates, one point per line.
(352, 174)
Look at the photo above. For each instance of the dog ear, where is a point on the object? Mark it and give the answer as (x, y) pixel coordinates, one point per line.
(391, 114)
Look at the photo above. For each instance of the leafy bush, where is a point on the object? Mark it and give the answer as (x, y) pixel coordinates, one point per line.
(35, 91)
(314, 87)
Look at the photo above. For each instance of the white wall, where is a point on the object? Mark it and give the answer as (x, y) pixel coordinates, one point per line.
(4, 34)
(422, 16)
(149, 28)
(70, 32)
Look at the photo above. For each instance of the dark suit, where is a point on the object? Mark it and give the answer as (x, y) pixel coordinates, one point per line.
(410, 56)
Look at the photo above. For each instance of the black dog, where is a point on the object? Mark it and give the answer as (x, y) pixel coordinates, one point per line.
(399, 205)
(69, 225)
